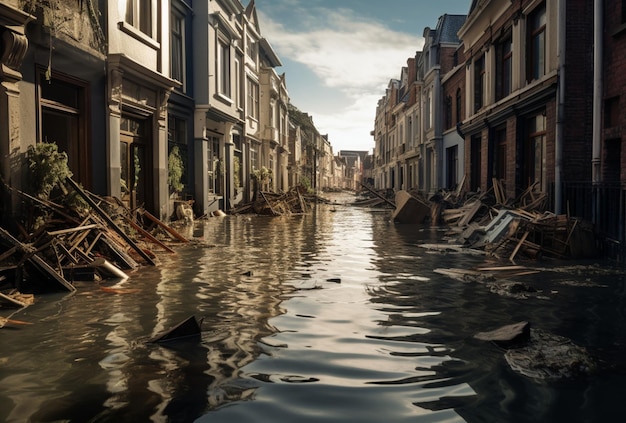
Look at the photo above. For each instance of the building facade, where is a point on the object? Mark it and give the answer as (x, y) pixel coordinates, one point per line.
(411, 151)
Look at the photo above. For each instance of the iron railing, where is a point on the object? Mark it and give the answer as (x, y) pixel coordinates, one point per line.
(604, 205)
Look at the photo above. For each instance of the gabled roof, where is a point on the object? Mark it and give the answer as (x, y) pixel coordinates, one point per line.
(250, 13)
(447, 28)
(269, 53)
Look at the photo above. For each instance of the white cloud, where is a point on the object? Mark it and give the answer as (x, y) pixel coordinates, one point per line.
(351, 54)
(346, 53)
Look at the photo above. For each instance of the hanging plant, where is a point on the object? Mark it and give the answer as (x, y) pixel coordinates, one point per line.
(48, 169)
(175, 170)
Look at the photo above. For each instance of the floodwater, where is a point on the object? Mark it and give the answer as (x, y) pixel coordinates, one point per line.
(335, 316)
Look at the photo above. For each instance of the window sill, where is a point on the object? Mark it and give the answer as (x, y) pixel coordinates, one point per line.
(224, 98)
(138, 35)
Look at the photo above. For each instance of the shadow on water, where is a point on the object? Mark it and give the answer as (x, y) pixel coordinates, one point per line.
(333, 316)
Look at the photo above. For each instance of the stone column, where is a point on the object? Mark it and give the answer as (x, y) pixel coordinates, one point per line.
(162, 197)
(114, 165)
(13, 46)
(201, 158)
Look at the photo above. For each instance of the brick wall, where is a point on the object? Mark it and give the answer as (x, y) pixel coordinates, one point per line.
(578, 125)
(614, 60)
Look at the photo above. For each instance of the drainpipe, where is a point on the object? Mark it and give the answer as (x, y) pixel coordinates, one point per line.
(597, 106)
(558, 154)
(597, 91)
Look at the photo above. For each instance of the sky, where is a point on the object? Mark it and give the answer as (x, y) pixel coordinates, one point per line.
(339, 55)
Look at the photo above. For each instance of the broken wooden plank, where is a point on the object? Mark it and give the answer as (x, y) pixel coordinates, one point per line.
(47, 269)
(110, 221)
(391, 203)
(72, 230)
(501, 268)
(148, 235)
(469, 215)
(519, 244)
(8, 300)
(167, 228)
(117, 253)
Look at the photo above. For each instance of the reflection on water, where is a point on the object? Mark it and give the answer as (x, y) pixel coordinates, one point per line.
(333, 316)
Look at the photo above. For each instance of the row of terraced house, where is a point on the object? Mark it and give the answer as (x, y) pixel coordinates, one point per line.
(526, 93)
(120, 86)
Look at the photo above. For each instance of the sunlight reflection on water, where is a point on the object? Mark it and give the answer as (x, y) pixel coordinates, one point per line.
(332, 316)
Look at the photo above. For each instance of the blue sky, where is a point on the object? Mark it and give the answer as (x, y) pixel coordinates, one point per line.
(339, 55)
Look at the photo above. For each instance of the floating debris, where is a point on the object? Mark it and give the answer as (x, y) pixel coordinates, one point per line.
(550, 357)
(187, 329)
(507, 336)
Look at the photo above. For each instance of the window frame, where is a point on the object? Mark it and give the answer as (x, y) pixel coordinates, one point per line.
(252, 93)
(178, 66)
(479, 83)
(536, 43)
(224, 79)
(504, 66)
(139, 15)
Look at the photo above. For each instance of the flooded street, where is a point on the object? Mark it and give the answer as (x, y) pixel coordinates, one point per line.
(335, 316)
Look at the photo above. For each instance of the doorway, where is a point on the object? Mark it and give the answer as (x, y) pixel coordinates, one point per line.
(134, 163)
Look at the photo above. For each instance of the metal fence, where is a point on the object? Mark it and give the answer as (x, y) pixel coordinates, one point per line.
(603, 205)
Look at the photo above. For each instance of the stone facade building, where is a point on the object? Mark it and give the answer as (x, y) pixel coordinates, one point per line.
(410, 150)
(530, 97)
(122, 86)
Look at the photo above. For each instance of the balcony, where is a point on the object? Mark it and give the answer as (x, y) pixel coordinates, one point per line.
(271, 134)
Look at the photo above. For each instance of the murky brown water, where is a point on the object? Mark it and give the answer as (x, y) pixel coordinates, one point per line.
(335, 316)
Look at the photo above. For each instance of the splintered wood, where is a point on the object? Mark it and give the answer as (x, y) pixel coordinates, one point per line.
(100, 240)
(276, 204)
(509, 228)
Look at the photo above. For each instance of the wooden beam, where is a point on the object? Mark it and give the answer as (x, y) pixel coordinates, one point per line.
(110, 221)
(164, 226)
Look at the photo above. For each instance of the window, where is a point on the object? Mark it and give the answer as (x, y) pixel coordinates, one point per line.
(611, 112)
(479, 83)
(428, 117)
(504, 67)
(535, 171)
(63, 120)
(611, 161)
(448, 112)
(475, 162)
(251, 48)
(499, 165)
(238, 91)
(459, 104)
(224, 68)
(253, 99)
(214, 166)
(452, 163)
(135, 177)
(253, 159)
(177, 137)
(139, 15)
(409, 132)
(536, 44)
(178, 47)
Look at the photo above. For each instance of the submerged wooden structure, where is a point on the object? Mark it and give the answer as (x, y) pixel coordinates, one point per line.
(100, 240)
(410, 208)
(292, 202)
